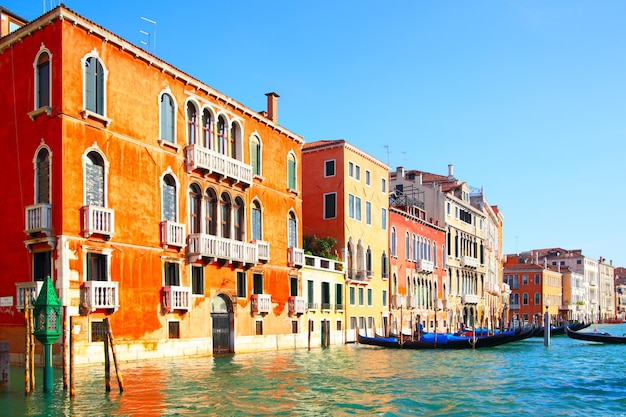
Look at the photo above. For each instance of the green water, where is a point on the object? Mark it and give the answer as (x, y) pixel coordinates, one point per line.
(525, 378)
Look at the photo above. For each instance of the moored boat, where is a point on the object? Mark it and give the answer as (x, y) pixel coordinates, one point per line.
(444, 341)
(600, 337)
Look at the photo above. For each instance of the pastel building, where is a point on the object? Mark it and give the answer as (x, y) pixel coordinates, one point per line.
(346, 197)
(147, 196)
(417, 252)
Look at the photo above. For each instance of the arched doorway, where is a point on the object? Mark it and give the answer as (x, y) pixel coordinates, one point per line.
(222, 320)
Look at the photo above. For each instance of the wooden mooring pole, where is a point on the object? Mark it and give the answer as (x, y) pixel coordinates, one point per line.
(71, 331)
(118, 373)
(26, 349)
(107, 362)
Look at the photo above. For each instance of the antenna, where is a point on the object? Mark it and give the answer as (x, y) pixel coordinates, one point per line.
(143, 32)
(387, 147)
(154, 37)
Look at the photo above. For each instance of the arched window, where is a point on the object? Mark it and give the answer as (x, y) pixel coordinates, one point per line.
(235, 135)
(292, 230)
(211, 212)
(407, 246)
(192, 123)
(291, 171)
(168, 113)
(255, 155)
(239, 219)
(368, 261)
(42, 177)
(226, 207)
(195, 209)
(94, 180)
(170, 211)
(42, 80)
(221, 135)
(257, 221)
(393, 241)
(207, 129)
(94, 85)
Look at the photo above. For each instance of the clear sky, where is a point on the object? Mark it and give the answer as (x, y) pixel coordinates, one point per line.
(525, 98)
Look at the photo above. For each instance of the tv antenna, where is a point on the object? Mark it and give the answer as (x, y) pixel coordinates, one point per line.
(143, 32)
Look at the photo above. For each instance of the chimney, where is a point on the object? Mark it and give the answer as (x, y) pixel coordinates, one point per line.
(272, 107)
(450, 171)
(399, 173)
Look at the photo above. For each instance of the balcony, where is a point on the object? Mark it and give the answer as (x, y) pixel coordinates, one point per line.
(470, 299)
(175, 297)
(295, 257)
(397, 301)
(262, 250)
(358, 276)
(411, 301)
(339, 307)
(470, 262)
(297, 305)
(172, 234)
(100, 295)
(27, 291)
(218, 248)
(216, 163)
(514, 307)
(422, 265)
(39, 219)
(261, 303)
(98, 220)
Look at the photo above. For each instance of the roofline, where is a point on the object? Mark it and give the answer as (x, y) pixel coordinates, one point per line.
(64, 14)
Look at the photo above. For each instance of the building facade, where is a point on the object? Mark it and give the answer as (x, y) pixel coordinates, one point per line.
(147, 196)
(346, 197)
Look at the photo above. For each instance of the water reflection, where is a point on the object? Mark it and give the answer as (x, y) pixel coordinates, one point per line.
(526, 378)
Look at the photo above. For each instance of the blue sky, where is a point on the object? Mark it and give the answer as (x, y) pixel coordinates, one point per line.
(524, 98)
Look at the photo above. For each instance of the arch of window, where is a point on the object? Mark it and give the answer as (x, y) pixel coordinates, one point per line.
(292, 230)
(43, 79)
(169, 196)
(255, 155)
(95, 168)
(207, 139)
(256, 220)
(407, 246)
(368, 261)
(42, 176)
(239, 219)
(192, 123)
(291, 171)
(167, 114)
(393, 241)
(94, 80)
(195, 209)
(210, 212)
(234, 145)
(222, 135)
(225, 215)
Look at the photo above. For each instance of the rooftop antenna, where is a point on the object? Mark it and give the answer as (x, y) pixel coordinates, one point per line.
(143, 32)
(154, 37)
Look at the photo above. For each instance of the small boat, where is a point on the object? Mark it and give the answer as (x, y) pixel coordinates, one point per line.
(445, 340)
(600, 337)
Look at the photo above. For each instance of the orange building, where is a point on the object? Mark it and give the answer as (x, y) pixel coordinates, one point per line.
(146, 195)
(535, 287)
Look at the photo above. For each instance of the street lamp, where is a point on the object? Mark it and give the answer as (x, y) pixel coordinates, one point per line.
(47, 314)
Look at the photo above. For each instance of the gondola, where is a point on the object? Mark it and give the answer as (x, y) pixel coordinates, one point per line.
(560, 330)
(602, 337)
(444, 341)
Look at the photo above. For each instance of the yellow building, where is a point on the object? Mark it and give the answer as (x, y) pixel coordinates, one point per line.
(346, 196)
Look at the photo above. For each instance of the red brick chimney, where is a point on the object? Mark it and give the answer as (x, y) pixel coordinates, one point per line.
(272, 107)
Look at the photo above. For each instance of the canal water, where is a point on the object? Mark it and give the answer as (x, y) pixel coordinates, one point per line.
(524, 378)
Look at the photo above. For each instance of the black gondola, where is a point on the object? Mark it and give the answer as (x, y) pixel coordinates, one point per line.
(602, 337)
(445, 341)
